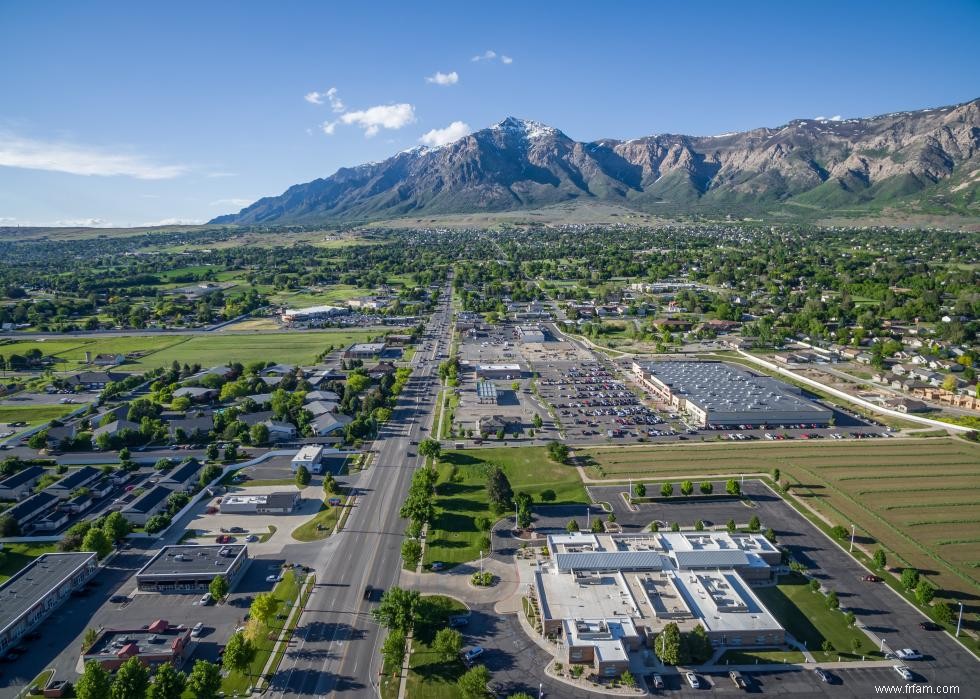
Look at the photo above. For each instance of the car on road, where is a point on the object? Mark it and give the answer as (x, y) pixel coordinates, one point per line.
(904, 672)
(821, 675)
(929, 626)
(471, 654)
(908, 654)
(738, 679)
(368, 592)
(871, 578)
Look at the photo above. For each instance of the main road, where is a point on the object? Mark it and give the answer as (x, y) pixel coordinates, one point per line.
(336, 646)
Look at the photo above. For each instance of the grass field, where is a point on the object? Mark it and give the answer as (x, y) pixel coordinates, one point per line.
(34, 414)
(16, 556)
(919, 499)
(326, 518)
(429, 675)
(70, 352)
(461, 494)
(805, 615)
(763, 656)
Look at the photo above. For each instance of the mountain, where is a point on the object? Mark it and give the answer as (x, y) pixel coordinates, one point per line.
(927, 161)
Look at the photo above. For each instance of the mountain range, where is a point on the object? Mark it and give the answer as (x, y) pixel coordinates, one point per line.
(926, 161)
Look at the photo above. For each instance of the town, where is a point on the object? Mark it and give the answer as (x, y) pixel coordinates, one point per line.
(650, 458)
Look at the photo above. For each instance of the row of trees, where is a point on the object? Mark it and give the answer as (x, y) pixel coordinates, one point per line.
(134, 681)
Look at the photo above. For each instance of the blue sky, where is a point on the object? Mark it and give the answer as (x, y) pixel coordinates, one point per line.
(136, 113)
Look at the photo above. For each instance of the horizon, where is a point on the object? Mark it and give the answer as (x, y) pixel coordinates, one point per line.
(112, 123)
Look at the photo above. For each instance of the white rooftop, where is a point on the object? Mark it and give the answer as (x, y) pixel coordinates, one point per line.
(309, 452)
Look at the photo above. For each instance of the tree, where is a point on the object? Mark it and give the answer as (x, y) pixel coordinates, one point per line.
(949, 383)
(572, 526)
(484, 524)
(775, 475)
(411, 552)
(942, 612)
(707, 487)
(38, 440)
(880, 559)
(548, 495)
(231, 452)
(259, 434)
(397, 609)
(537, 422)
(675, 527)
(667, 489)
(731, 526)
(732, 487)
(95, 682)
(832, 600)
(473, 683)
(627, 679)
(667, 644)
(96, 540)
(699, 526)
(211, 453)
(655, 526)
(924, 592)
(303, 477)
(910, 578)
(239, 653)
(208, 474)
(156, 523)
(687, 487)
(89, 637)
(839, 531)
(558, 452)
(849, 618)
(204, 682)
(264, 607)
(167, 684)
(754, 524)
(218, 587)
(639, 490)
(132, 680)
(814, 585)
(770, 535)
(597, 526)
(697, 645)
(448, 643)
(430, 448)
(393, 649)
(499, 492)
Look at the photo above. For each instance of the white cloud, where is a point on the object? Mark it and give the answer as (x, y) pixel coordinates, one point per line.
(328, 127)
(174, 222)
(84, 223)
(231, 202)
(487, 55)
(336, 104)
(836, 117)
(373, 119)
(222, 174)
(443, 78)
(440, 137)
(507, 60)
(56, 156)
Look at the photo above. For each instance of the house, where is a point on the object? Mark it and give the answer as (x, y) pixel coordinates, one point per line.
(198, 394)
(190, 428)
(863, 358)
(319, 407)
(222, 372)
(50, 521)
(61, 434)
(906, 405)
(260, 399)
(93, 380)
(328, 423)
(114, 428)
(184, 477)
(108, 359)
(280, 431)
(381, 369)
(279, 503)
(492, 424)
(19, 485)
(398, 340)
(271, 381)
(29, 509)
(329, 396)
(75, 479)
(278, 370)
(252, 419)
(364, 350)
(140, 510)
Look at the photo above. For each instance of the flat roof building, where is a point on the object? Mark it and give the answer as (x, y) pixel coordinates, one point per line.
(364, 350)
(498, 371)
(715, 393)
(486, 392)
(281, 503)
(309, 456)
(183, 568)
(157, 644)
(39, 588)
(300, 315)
(530, 333)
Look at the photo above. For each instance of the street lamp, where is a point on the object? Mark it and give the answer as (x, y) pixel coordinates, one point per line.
(851, 549)
(882, 649)
(959, 621)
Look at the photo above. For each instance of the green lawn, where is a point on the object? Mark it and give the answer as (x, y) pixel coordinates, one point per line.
(16, 556)
(429, 675)
(287, 591)
(326, 518)
(763, 656)
(805, 615)
(461, 494)
(35, 414)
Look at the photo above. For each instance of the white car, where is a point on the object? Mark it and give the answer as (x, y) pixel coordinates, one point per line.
(904, 672)
(273, 578)
(908, 654)
(692, 680)
(197, 630)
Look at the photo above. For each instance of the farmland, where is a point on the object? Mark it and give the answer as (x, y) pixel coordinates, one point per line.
(919, 499)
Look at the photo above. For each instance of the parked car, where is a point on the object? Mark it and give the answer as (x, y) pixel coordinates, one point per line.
(471, 654)
(657, 681)
(692, 680)
(738, 679)
(207, 599)
(908, 654)
(197, 630)
(904, 672)
(821, 675)
(273, 578)
(437, 565)
(871, 578)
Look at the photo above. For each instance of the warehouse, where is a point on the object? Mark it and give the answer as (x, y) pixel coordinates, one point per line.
(191, 568)
(38, 589)
(721, 395)
(281, 503)
(530, 333)
(498, 371)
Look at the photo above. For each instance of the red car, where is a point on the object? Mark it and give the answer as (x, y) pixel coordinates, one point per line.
(871, 578)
